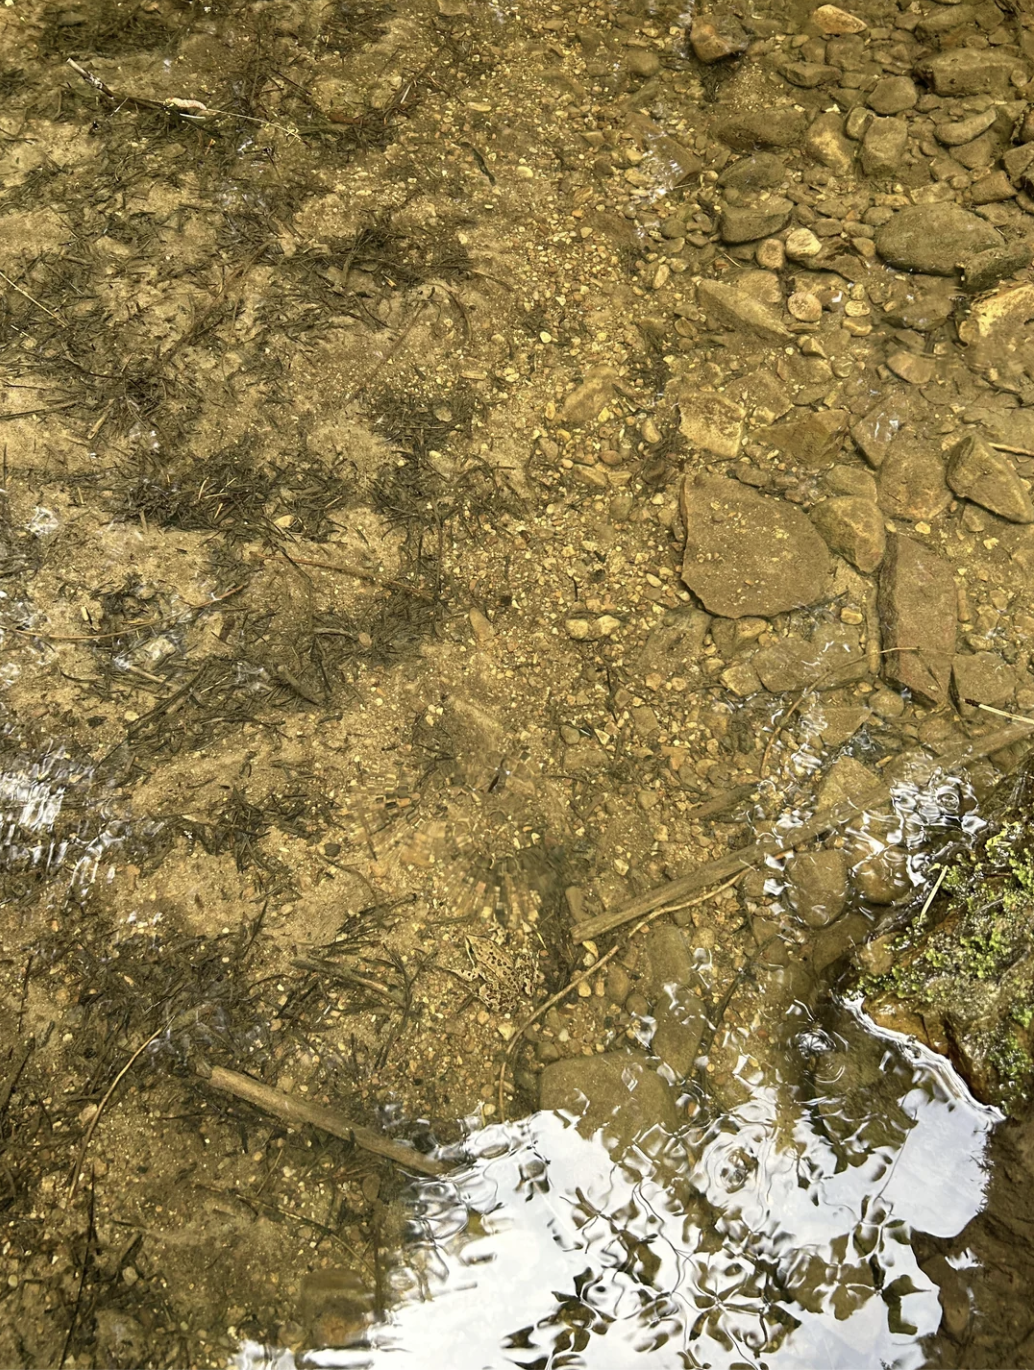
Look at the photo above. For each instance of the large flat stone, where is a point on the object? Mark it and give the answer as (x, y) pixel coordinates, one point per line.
(732, 308)
(711, 421)
(749, 554)
(918, 616)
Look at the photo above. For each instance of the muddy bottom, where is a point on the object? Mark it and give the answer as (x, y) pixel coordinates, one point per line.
(515, 549)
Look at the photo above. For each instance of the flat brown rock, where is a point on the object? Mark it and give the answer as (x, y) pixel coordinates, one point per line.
(749, 554)
(977, 472)
(911, 482)
(918, 616)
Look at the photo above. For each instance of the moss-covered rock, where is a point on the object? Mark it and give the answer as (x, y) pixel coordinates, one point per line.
(961, 977)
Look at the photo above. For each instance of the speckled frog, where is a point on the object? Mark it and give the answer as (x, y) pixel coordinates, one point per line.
(501, 979)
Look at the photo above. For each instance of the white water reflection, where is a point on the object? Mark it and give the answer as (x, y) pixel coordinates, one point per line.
(757, 1242)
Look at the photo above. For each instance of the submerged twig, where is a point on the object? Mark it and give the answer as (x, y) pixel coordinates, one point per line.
(74, 1180)
(301, 1112)
(32, 299)
(348, 569)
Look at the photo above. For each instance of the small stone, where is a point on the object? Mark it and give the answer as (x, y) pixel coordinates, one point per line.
(790, 663)
(810, 75)
(713, 41)
(770, 254)
(643, 62)
(811, 441)
(854, 528)
(749, 554)
(917, 606)
(879, 870)
(847, 778)
(986, 269)
(763, 171)
(835, 22)
(983, 678)
(893, 95)
(742, 679)
(877, 429)
(615, 1093)
(482, 627)
(710, 421)
(857, 121)
(934, 238)
(802, 245)
(805, 306)
(817, 886)
(956, 134)
(850, 480)
(837, 723)
(887, 703)
(979, 154)
(883, 146)
(1016, 160)
(944, 20)
(992, 189)
(909, 367)
(977, 472)
(589, 399)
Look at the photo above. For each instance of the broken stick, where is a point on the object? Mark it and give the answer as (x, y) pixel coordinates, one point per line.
(300, 1111)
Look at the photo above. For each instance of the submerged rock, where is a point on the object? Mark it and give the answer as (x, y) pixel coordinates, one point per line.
(750, 128)
(983, 678)
(749, 554)
(615, 1092)
(918, 615)
(735, 309)
(711, 421)
(911, 483)
(817, 886)
(972, 71)
(935, 239)
(978, 473)
(852, 526)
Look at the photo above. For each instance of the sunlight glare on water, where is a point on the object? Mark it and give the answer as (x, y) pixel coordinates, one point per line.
(766, 1238)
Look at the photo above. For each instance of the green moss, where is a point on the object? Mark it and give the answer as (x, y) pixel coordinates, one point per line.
(1012, 1062)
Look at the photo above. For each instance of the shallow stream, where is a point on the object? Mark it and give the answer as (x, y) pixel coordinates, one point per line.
(776, 1234)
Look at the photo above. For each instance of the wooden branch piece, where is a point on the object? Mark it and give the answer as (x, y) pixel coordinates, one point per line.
(300, 1112)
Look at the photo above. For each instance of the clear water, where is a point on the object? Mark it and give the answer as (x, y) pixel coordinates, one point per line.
(772, 1234)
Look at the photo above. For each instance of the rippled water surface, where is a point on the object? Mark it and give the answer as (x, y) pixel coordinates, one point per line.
(774, 1234)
